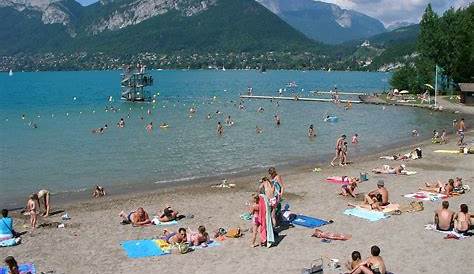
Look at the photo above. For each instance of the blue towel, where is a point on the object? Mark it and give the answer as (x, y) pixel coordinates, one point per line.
(157, 222)
(142, 248)
(23, 268)
(307, 221)
(365, 214)
(211, 244)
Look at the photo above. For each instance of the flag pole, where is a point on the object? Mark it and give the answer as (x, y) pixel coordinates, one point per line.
(436, 84)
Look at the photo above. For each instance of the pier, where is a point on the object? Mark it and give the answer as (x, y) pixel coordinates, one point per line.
(295, 98)
(339, 93)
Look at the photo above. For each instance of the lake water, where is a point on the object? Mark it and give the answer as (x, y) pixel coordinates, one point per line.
(62, 154)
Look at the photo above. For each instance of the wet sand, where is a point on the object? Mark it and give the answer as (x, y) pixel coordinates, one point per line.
(90, 243)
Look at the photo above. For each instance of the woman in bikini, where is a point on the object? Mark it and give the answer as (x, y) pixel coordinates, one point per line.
(330, 235)
(168, 215)
(201, 237)
(462, 220)
(439, 187)
(350, 188)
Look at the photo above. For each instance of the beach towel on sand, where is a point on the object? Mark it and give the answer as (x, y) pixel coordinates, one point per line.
(426, 196)
(10, 242)
(447, 151)
(156, 221)
(309, 222)
(23, 268)
(432, 227)
(265, 219)
(370, 215)
(338, 179)
(142, 248)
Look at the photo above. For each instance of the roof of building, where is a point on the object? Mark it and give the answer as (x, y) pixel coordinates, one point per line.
(466, 87)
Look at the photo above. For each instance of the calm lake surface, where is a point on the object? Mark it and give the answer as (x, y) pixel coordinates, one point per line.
(62, 154)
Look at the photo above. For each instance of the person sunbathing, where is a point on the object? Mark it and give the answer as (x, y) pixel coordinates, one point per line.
(444, 218)
(136, 218)
(330, 235)
(175, 238)
(386, 169)
(374, 264)
(350, 188)
(446, 189)
(462, 220)
(201, 237)
(168, 215)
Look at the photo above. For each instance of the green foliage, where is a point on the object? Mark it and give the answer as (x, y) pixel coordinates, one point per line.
(446, 41)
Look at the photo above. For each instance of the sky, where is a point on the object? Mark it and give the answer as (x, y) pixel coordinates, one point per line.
(387, 11)
(392, 11)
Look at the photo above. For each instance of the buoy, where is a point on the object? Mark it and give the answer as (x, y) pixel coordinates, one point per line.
(74, 98)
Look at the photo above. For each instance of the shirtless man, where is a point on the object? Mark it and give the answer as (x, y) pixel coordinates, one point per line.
(444, 218)
(339, 144)
(370, 198)
(136, 218)
(149, 127)
(168, 215)
(277, 120)
(399, 170)
(176, 238)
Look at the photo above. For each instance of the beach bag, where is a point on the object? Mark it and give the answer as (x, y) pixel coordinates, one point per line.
(364, 176)
(417, 206)
(180, 248)
(233, 233)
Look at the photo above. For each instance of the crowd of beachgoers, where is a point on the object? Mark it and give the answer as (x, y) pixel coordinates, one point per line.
(268, 211)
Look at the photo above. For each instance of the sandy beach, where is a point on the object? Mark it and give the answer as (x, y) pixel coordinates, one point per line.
(90, 243)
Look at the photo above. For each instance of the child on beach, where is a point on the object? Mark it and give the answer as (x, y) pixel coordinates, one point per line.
(254, 211)
(98, 192)
(444, 137)
(32, 208)
(356, 260)
(350, 188)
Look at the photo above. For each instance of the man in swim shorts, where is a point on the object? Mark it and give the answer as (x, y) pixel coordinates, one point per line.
(444, 218)
(339, 144)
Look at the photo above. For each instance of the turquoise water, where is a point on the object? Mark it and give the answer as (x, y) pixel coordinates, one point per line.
(62, 154)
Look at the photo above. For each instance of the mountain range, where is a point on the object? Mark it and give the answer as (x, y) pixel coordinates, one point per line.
(324, 22)
(285, 33)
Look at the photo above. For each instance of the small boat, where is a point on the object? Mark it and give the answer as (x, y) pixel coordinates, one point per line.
(331, 119)
(10, 73)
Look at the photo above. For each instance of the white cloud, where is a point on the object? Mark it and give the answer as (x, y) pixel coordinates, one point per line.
(391, 11)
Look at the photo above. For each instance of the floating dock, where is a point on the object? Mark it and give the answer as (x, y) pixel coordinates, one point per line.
(339, 93)
(298, 99)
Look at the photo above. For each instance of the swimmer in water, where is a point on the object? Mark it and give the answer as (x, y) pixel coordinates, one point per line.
(355, 139)
(258, 130)
(260, 109)
(121, 123)
(209, 116)
(414, 133)
(229, 121)
(148, 112)
(220, 129)
(149, 127)
(277, 120)
(311, 132)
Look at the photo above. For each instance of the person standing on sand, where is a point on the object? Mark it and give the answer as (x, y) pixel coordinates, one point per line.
(32, 209)
(461, 128)
(444, 218)
(44, 195)
(355, 139)
(339, 144)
